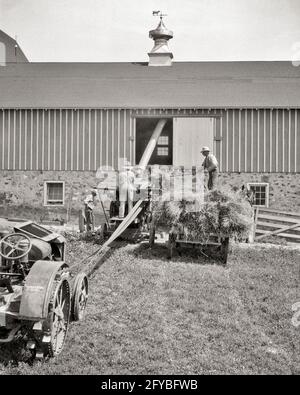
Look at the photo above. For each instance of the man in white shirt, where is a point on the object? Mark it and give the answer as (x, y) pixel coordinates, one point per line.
(210, 164)
(126, 189)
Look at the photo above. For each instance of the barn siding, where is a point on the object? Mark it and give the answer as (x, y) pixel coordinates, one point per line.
(259, 140)
(64, 139)
(252, 140)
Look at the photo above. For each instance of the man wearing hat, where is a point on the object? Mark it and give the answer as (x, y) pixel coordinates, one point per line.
(89, 205)
(211, 165)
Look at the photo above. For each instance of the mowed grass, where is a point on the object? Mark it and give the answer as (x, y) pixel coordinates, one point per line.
(149, 315)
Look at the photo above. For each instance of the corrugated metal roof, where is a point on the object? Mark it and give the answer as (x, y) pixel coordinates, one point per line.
(135, 85)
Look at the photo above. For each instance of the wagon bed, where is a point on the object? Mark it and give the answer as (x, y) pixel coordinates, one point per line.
(219, 245)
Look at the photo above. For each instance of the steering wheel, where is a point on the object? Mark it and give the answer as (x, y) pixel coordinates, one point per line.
(17, 244)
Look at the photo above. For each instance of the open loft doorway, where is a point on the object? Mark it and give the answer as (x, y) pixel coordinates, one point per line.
(163, 152)
(180, 142)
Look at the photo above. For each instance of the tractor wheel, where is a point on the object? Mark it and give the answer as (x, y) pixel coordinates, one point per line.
(55, 327)
(80, 297)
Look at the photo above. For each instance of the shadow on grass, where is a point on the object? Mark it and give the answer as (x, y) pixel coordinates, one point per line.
(208, 255)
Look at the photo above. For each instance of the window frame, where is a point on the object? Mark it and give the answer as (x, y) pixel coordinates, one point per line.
(46, 200)
(163, 141)
(162, 147)
(261, 184)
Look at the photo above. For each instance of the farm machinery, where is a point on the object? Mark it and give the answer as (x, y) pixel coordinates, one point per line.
(141, 222)
(39, 295)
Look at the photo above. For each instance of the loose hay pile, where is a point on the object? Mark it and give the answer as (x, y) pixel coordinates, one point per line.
(224, 213)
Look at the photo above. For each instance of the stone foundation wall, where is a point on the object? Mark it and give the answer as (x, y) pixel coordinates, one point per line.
(22, 192)
(284, 187)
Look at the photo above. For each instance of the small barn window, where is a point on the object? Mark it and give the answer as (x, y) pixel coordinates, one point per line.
(54, 193)
(163, 140)
(261, 194)
(162, 151)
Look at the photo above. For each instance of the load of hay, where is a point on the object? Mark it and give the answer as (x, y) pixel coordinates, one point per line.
(224, 213)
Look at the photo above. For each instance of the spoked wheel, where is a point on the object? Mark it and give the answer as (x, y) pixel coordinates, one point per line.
(80, 297)
(58, 319)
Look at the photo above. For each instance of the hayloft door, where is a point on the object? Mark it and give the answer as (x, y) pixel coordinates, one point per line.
(163, 153)
(189, 136)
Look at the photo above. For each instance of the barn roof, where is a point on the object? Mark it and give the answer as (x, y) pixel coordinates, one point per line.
(135, 85)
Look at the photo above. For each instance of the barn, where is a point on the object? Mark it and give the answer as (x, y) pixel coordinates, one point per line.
(60, 122)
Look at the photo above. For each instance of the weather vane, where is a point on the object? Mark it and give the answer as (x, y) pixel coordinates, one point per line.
(159, 13)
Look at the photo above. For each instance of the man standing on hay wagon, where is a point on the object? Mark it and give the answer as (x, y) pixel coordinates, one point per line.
(212, 166)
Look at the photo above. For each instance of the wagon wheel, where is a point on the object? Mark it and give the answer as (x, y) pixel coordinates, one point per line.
(57, 323)
(224, 250)
(80, 297)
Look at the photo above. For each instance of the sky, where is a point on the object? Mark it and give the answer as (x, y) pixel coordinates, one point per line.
(117, 30)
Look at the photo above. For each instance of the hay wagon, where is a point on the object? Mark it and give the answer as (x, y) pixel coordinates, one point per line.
(142, 225)
(215, 246)
(219, 215)
(207, 224)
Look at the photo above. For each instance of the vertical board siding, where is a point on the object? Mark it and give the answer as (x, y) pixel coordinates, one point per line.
(292, 139)
(259, 140)
(287, 143)
(297, 144)
(218, 136)
(280, 140)
(230, 141)
(267, 142)
(81, 140)
(247, 140)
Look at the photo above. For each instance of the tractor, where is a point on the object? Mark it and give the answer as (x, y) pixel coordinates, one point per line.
(39, 295)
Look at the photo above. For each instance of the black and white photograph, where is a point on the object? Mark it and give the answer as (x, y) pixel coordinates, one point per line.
(149, 190)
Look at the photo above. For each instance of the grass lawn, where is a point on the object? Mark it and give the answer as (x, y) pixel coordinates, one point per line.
(148, 315)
